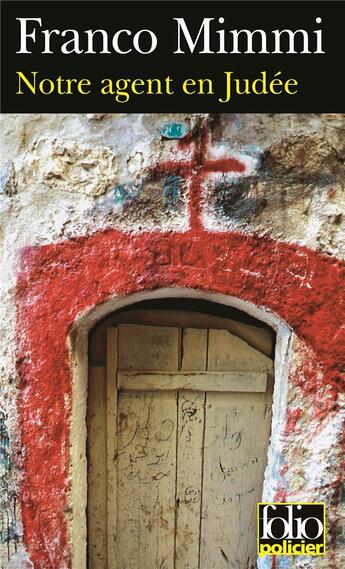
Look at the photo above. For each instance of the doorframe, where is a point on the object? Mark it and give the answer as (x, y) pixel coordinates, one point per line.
(78, 352)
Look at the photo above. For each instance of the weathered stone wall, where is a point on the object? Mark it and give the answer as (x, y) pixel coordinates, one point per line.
(97, 207)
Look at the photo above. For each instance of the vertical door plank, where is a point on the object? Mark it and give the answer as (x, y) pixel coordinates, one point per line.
(189, 453)
(189, 478)
(194, 349)
(146, 479)
(97, 468)
(97, 345)
(111, 394)
(237, 432)
(236, 440)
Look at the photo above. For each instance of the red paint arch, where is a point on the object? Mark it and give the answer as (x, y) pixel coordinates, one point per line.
(59, 282)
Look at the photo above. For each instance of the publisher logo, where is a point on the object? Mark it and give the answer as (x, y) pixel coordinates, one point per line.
(291, 528)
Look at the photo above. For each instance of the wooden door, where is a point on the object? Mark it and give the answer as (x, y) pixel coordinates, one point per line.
(178, 424)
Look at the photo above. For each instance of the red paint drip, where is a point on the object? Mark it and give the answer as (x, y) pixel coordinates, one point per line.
(195, 204)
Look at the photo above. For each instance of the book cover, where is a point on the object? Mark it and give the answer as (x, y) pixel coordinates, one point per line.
(172, 285)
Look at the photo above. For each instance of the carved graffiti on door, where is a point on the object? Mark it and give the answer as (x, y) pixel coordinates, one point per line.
(190, 415)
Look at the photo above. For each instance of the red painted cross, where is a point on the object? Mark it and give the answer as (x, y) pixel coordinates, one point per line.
(195, 170)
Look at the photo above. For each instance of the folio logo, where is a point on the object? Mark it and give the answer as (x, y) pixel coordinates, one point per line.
(291, 528)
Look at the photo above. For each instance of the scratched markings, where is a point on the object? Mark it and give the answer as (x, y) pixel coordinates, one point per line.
(189, 477)
(234, 462)
(190, 461)
(146, 479)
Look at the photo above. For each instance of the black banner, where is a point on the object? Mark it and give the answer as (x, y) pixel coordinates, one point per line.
(213, 56)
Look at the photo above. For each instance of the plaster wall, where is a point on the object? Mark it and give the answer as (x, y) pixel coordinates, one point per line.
(98, 208)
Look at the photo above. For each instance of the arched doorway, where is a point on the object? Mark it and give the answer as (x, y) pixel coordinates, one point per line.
(179, 418)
